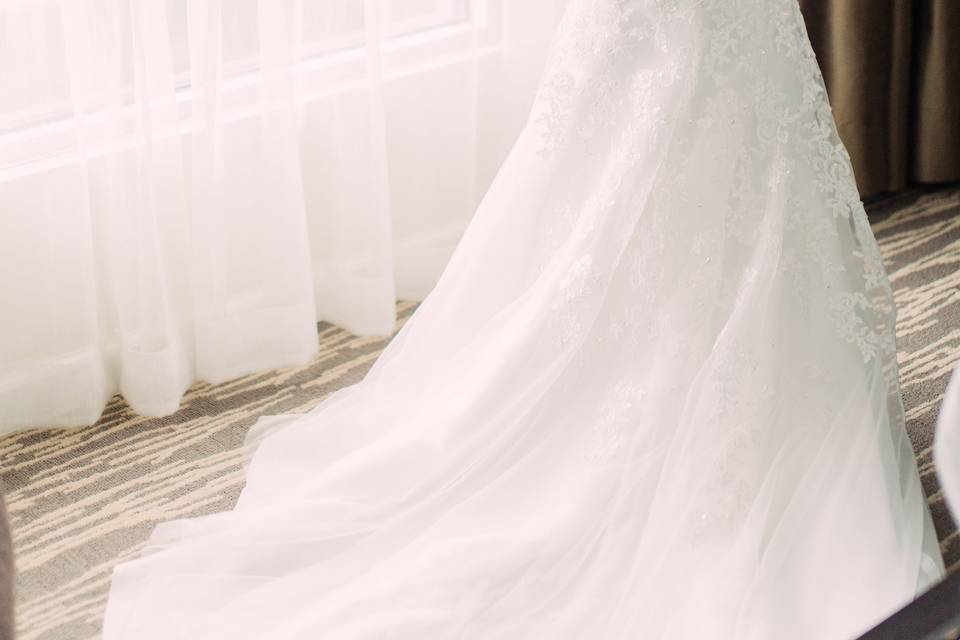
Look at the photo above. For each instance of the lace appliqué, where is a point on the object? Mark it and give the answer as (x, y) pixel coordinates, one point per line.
(610, 433)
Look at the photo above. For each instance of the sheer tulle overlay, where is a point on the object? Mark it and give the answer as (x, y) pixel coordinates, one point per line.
(654, 394)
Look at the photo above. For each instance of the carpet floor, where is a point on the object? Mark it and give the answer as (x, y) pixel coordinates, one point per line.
(82, 500)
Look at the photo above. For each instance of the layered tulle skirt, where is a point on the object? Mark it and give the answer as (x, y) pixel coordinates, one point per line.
(654, 394)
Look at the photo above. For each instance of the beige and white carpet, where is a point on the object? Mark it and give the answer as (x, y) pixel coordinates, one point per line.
(81, 500)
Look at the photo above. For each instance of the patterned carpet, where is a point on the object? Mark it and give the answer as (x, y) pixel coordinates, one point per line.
(919, 235)
(81, 500)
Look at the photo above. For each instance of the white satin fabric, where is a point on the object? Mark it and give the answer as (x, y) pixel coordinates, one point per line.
(653, 396)
(946, 446)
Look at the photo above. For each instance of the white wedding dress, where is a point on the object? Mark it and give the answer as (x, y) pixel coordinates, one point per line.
(654, 394)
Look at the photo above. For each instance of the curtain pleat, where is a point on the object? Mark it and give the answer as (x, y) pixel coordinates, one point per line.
(937, 105)
(187, 187)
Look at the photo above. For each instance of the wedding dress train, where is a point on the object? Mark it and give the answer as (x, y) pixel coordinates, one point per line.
(654, 394)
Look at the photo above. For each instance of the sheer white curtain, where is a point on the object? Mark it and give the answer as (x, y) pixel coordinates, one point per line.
(186, 186)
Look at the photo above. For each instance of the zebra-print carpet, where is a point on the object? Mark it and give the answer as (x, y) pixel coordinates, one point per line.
(81, 500)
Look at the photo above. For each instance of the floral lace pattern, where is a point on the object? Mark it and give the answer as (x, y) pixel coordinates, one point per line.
(717, 168)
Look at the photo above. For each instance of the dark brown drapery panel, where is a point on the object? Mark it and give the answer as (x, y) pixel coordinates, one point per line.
(892, 69)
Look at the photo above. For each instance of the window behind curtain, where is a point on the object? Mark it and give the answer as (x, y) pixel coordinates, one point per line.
(35, 87)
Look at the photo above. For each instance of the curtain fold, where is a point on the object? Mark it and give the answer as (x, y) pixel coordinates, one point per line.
(187, 187)
(937, 134)
(892, 69)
